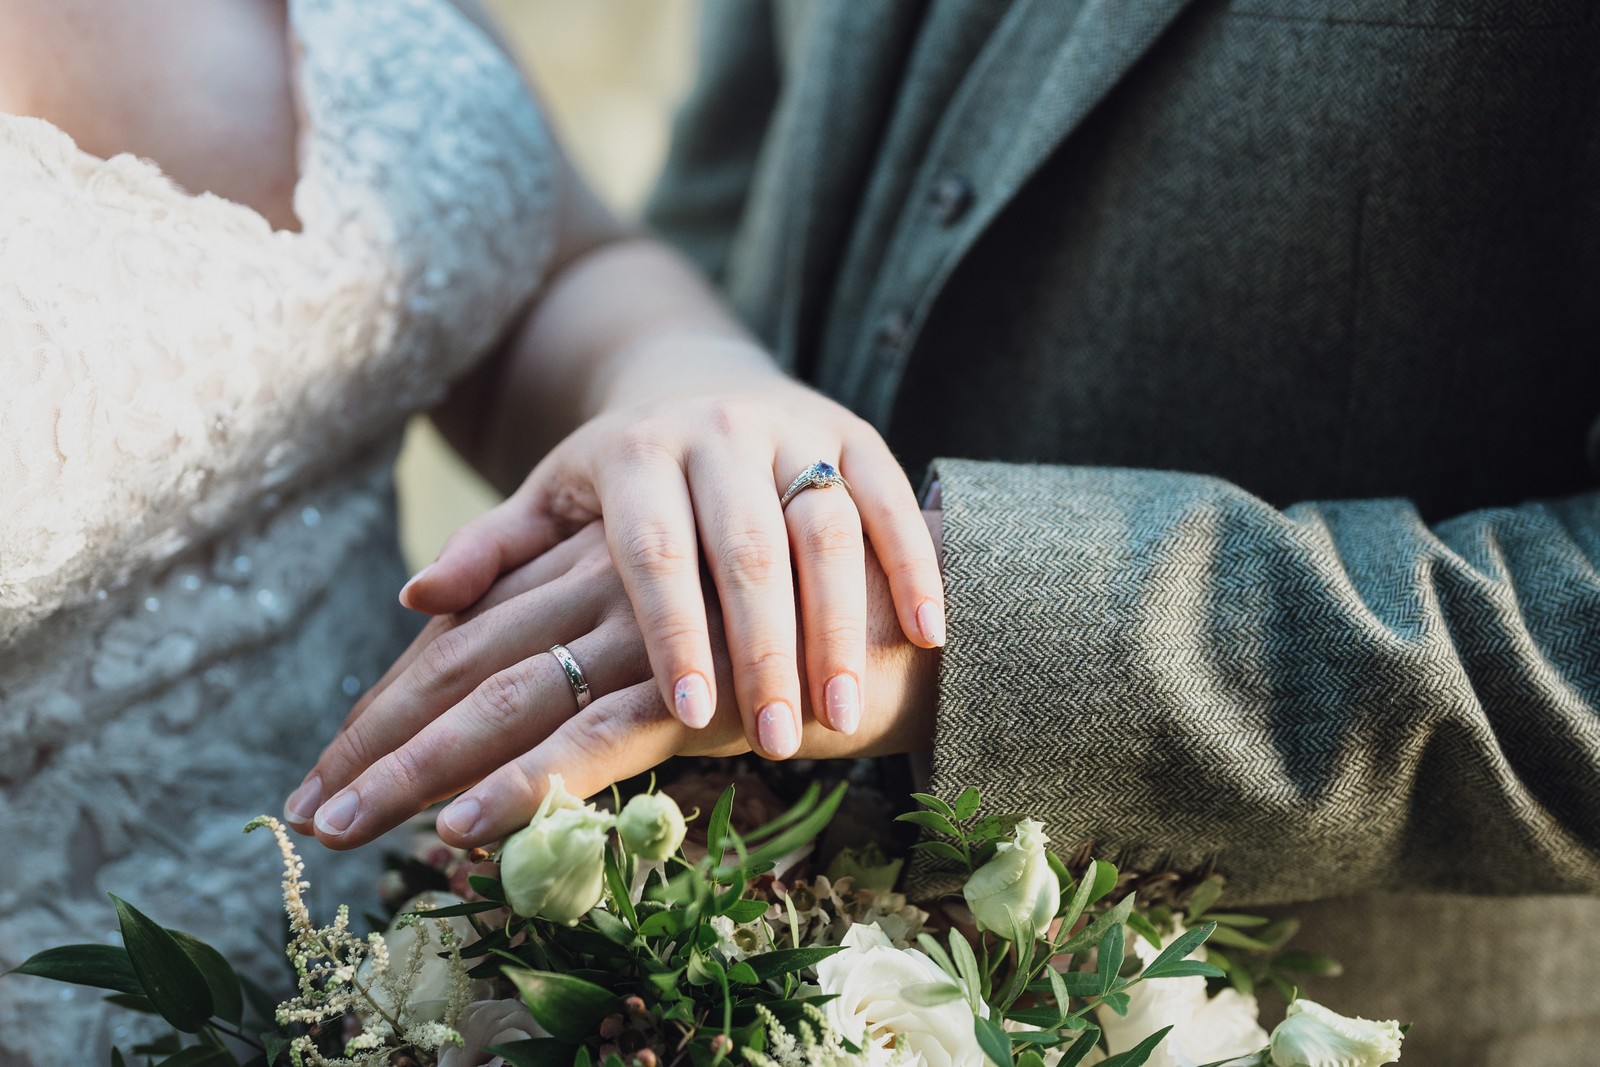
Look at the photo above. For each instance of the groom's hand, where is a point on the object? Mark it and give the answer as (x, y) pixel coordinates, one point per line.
(476, 704)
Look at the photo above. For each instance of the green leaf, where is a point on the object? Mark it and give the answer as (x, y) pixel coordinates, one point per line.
(96, 966)
(1080, 898)
(1227, 935)
(1309, 963)
(450, 911)
(930, 820)
(1110, 957)
(801, 832)
(966, 805)
(227, 997)
(933, 803)
(994, 827)
(743, 974)
(621, 899)
(747, 911)
(937, 953)
(1091, 934)
(581, 1059)
(966, 963)
(197, 1056)
(1105, 880)
(943, 849)
(275, 1046)
(932, 994)
(133, 1002)
(1205, 894)
(786, 960)
(1030, 1058)
(487, 887)
(801, 808)
(1180, 948)
(669, 923)
(1138, 1053)
(1079, 1048)
(993, 1040)
(1140, 924)
(1244, 922)
(534, 1052)
(172, 981)
(1188, 969)
(717, 826)
(569, 1008)
(1117, 1002)
(611, 928)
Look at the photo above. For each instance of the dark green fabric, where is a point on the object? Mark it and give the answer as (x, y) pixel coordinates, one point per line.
(1262, 367)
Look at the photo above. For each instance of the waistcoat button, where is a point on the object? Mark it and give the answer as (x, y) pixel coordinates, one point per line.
(950, 199)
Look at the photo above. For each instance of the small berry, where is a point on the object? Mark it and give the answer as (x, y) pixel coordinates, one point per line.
(611, 1027)
(634, 1005)
(721, 1045)
(645, 1057)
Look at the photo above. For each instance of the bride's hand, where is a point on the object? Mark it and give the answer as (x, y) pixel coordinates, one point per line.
(673, 466)
(468, 708)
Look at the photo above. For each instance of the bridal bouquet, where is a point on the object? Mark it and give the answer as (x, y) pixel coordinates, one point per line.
(611, 938)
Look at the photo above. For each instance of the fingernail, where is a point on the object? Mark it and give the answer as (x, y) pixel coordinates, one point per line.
(843, 694)
(459, 818)
(302, 803)
(692, 698)
(776, 731)
(930, 620)
(413, 580)
(336, 815)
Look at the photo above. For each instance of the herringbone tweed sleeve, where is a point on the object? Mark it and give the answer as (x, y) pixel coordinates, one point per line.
(1321, 700)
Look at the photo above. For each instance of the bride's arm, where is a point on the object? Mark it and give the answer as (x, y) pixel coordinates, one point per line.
(629, 390)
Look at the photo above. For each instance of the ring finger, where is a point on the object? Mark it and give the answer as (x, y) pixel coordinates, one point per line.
(830, 562)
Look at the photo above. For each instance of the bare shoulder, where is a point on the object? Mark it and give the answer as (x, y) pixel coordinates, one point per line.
(202, 87)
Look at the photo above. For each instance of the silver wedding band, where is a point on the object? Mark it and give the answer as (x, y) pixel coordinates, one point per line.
(575, 678)
(820, 475)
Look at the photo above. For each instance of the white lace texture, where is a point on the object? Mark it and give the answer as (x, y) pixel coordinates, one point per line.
(197, 417)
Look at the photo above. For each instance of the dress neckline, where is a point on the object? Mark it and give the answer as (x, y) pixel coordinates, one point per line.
(294, 48)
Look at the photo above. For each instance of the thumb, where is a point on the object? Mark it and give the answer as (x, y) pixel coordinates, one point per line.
(501, 539)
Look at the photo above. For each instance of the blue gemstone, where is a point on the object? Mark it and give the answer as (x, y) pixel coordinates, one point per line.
(824, 470)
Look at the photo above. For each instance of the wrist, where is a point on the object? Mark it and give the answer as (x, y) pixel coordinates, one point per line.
(678, 363)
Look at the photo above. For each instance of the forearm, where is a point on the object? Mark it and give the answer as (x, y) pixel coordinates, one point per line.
(1318, 701)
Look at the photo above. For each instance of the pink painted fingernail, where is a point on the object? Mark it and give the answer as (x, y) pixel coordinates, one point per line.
(776, 731)
(692, 698)
(459, 818)
(303, 802)
(335, 817)
(930, 620)
(843, 694)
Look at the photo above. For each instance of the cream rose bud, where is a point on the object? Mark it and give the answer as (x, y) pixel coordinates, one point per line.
(869, 981)
(1312, 1036)
(1018, 881)
(555, 868)
(652, 826)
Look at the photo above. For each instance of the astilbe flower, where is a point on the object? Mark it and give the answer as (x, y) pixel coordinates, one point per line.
(818, 1045)
(339, 973)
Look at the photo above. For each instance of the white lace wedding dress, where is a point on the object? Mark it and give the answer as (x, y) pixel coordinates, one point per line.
(198, 415)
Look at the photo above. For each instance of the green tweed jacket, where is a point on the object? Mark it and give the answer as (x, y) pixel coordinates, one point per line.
(1255, 345)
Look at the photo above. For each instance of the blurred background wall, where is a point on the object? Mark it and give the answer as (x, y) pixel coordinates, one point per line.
(610, 73)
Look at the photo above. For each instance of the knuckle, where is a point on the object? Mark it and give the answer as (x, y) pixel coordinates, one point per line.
(653, 547)
(771, 663)
(840, 635)
(831, 541)
(642, 442)
(444, 661)
(502, 697)
(748, 557)
(912, 570)
(406, 769)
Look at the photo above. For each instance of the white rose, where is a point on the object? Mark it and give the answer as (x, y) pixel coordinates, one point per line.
(652, 826)
(490, 1022)
(428, 994)
(555, 868)
(1312, 1036)
(1204, 1029)
(868, 980)
(1017, 881)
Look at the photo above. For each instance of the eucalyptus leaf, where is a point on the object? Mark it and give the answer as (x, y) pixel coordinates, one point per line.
(1203, 897)
(1091, 934)
(717, 827)
(172, 981)
(932, 994)
(966, 964)
(1180, 948)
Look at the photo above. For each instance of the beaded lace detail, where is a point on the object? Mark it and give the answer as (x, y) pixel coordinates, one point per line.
(197, 419)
